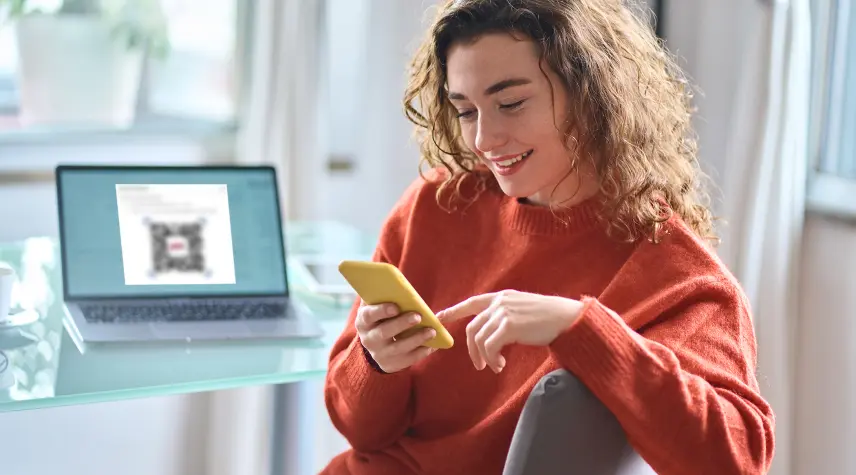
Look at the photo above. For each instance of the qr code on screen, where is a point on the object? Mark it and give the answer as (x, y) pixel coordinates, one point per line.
(177, 247)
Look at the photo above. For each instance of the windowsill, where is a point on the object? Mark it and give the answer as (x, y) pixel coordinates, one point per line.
(164, 127)
(832, 195)
(30, 155)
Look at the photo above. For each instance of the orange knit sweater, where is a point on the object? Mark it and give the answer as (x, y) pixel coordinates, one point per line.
(665, 342)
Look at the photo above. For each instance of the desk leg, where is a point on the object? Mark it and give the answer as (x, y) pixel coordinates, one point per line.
(292, 432)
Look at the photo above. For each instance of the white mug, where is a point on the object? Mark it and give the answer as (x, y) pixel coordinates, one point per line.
(7, 278)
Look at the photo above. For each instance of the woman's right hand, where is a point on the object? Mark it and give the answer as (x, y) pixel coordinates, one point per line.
(377, 325)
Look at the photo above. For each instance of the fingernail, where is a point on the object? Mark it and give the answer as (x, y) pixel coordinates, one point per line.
(415, 317)
(391, 310)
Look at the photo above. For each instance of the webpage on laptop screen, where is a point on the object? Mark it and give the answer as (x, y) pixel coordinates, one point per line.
(171, 232)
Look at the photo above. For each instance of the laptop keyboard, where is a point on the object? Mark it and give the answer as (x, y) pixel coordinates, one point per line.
(186, 311)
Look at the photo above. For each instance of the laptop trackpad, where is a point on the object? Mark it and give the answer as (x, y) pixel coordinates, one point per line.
(204, 330)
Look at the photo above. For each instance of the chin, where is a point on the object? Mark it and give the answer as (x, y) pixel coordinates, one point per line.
(512, 187)
(524, 182)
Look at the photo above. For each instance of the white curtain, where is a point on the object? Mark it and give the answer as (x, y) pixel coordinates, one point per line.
(279, 128)
(764, 195)
(279, 123)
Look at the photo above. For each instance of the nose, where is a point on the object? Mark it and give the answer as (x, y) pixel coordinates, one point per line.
(490, 134)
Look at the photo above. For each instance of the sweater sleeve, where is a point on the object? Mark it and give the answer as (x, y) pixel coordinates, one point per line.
(684, 386)
(370, 408)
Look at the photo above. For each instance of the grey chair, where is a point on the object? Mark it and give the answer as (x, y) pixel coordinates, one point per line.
(564, 429)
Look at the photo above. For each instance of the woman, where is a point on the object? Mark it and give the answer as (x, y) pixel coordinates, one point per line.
(563, 225)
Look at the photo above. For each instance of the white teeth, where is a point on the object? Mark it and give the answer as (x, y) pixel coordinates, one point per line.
(512, 161)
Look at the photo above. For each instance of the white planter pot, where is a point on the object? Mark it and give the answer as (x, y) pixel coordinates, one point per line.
(71, 73)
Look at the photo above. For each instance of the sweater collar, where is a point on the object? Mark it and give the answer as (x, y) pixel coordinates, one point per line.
(542, 220)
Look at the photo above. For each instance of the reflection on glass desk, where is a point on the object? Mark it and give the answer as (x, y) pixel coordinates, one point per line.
(51, 369)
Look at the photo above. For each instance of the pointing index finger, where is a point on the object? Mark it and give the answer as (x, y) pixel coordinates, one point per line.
(469, 307)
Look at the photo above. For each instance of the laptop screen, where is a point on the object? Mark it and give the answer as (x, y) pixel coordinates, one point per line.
(143, 232)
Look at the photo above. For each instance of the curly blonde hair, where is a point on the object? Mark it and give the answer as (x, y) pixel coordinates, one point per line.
(629, 98)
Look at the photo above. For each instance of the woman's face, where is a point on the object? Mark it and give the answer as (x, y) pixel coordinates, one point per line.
(512, 120)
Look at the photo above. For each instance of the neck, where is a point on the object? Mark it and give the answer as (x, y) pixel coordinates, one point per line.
(574, 189)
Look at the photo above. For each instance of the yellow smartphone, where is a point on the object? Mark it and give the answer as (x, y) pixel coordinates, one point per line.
(379, 282)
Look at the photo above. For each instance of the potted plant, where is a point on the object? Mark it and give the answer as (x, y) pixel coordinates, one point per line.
(80, 61)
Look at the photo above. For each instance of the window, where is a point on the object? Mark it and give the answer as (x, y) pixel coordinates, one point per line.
(832, 187)
(834, 84)
(58, 72)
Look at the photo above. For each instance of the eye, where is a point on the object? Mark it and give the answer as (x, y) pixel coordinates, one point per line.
(465, 114)
(512, 106)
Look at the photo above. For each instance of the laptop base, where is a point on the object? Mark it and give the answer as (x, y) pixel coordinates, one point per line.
(297, 324)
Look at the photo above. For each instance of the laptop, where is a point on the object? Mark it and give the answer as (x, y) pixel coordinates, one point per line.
(175, 253)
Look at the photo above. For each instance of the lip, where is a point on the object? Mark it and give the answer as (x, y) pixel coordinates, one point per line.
(506, 157)
(507, 171)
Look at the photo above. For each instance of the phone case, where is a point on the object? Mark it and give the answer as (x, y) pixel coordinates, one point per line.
(379, 282)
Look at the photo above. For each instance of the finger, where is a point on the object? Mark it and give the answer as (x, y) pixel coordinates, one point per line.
(382, 334)
(503, 335)
(411, 358)
(473, 329)
(487, 330)
(374, 314)
(471, 306)
(388, 329)
(399, 354)
(412, 342)
(370, 315)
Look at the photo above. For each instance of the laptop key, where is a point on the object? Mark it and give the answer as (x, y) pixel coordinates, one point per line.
(196, 311)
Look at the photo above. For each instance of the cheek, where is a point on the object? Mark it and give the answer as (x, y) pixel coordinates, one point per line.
(538, 134)
(530, 129)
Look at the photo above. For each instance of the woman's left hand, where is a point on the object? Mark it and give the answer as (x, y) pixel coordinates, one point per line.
(509, 316)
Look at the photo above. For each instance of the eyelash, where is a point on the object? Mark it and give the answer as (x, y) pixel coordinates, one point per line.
(512, 106)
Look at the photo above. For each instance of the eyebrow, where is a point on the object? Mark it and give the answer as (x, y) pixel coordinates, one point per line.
(505, 84)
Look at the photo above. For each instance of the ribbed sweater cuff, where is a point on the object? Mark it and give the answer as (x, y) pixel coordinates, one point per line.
(599, 347)
(367, 383)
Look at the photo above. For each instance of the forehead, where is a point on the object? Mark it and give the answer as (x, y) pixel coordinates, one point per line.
(473, 66)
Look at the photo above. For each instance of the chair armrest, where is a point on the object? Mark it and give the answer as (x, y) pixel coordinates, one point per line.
(564, 429)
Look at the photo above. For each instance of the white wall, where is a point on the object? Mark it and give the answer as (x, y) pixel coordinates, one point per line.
(162, 436)
(706, 36)
(825, 421)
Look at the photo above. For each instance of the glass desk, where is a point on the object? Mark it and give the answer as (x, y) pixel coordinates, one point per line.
(51, 369)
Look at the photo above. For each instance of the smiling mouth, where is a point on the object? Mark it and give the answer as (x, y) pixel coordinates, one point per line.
(511, 161)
